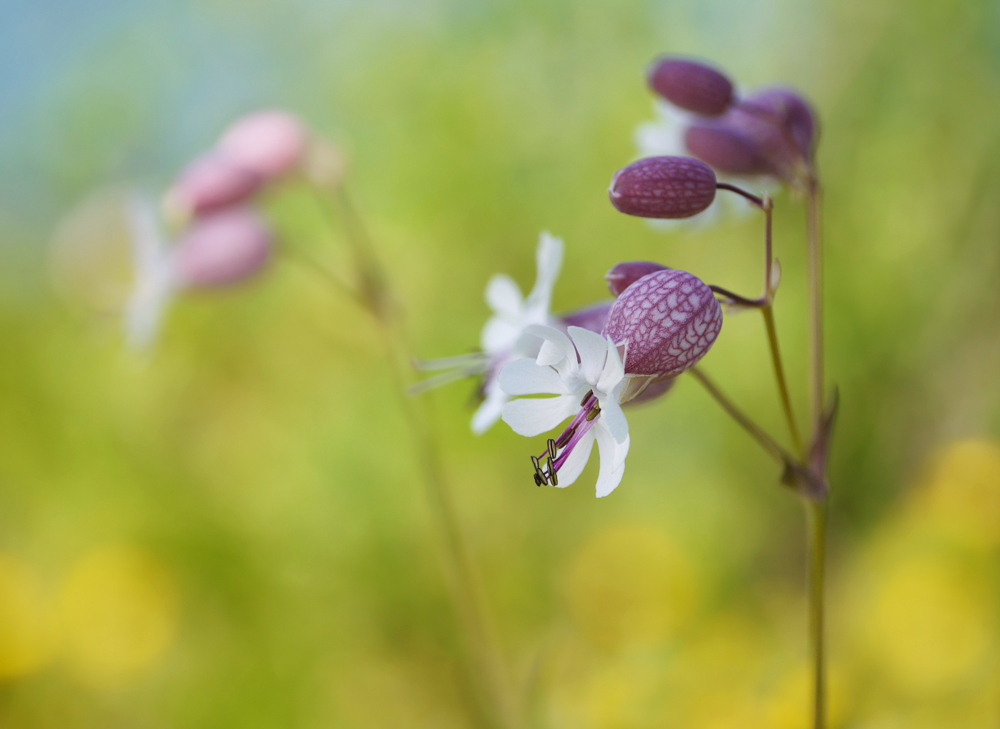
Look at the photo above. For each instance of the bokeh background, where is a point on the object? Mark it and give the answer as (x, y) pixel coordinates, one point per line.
(232, 532)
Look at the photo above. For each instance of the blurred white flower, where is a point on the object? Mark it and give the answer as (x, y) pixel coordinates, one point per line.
(503, 338)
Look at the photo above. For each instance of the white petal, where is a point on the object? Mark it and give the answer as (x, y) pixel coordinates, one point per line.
(149, 248)
(614, 419)
(577, 460)
(490, 410)
(503, 295)
(549, 258)
(525, 377)
(144, 312)
(560, 347)
(614, 369)
(540, 415)
(593, 349)
(463, 361)
(612, 461)
(498, 335)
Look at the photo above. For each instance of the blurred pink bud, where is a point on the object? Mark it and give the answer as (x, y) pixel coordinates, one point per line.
(269, 143)
(691, 85)
(591, 317)
(670, 319)
(663, 187)
(624, 275)
(223, 248)
(209, 183)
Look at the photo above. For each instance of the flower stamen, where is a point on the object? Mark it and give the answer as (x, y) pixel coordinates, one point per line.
(557, 450)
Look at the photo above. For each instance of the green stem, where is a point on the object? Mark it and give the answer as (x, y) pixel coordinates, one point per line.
(779, 373)
(482, 647)
(813, 207)
(462, 580)
(817, 508)
(772, 333)
(816, 514)
(760, 435)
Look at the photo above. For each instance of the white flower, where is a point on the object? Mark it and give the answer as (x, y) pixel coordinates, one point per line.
(665, 137)
(503, 338)
(155, 279)
(586, 373)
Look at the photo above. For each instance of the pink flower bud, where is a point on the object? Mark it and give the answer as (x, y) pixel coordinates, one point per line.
(663, 187)
(223, 248)
(772, 132)
(591, 317)
(624, 275)
(669, 319)
(268, 143)
(209, 183)
(691, 85)
(726, 148)
(796, 117)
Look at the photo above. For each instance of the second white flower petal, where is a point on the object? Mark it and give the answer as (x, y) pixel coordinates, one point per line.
(536, 416)
(525, 377)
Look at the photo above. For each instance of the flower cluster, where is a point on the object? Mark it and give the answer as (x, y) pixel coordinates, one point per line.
(603, 357)
(220, 239)
(762, 137)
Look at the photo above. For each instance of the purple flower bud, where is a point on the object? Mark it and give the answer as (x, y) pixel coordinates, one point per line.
(663, 187)
(669, 319)
(209, 183)
(691, 85)
(726, 147)
(269, 143)
(772, 132)
(795, 114)
(624, 275)
(591, 317)
(223, 248)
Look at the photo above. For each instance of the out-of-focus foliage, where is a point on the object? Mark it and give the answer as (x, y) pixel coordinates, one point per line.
(231, 533)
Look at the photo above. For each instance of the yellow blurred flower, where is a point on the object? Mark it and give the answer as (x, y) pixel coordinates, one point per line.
(929, 622)
(631, 586)
(27, 629)
(624, 692)
(374, 692)
(119, 609)
(961, 494)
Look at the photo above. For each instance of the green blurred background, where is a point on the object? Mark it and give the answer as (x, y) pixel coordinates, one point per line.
(233, 533)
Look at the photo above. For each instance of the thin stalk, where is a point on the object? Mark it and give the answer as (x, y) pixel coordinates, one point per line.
(754, 200)
(815, 284)
(816, 514)
(767, 310)
(768, 443)
(779, 375)
(484, 653)
(461, 572)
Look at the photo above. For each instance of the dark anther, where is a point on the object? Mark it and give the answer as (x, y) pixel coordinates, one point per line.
(539, 473)
(552, 473)
(566, 437)
(594, 413)
(552, 450)
(586, 397)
